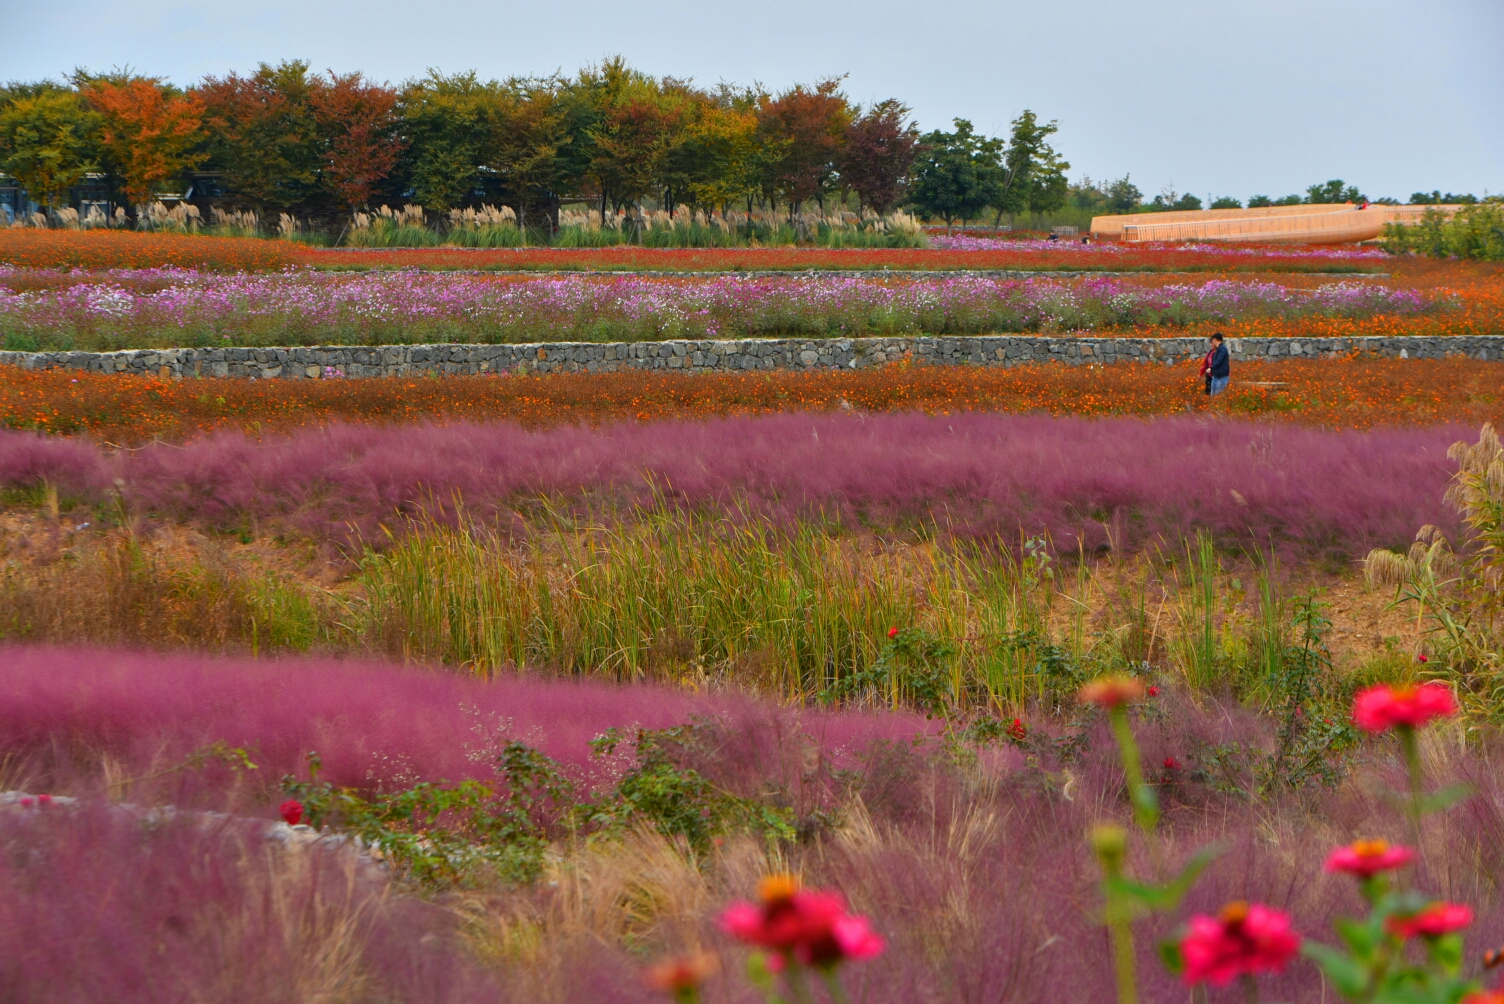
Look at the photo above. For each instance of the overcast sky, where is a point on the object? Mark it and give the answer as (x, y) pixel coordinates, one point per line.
(1216, 97)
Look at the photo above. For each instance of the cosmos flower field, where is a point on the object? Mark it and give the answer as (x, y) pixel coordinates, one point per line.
(912, 684)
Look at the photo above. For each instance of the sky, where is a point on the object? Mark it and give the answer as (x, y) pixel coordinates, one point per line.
(1212, 97)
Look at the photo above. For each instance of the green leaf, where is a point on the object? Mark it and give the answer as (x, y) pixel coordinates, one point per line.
(1446, 952)
(1362, 937)
(1447, 797)
(1169, 954)
(1167, 896)
(1347, 976)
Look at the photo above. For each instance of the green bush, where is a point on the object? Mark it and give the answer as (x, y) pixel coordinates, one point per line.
(1474, 232)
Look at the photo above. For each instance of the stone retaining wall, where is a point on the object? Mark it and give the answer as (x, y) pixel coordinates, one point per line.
(711, 356)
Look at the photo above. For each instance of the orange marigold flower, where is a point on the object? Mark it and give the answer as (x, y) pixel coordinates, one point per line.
(1111, 691)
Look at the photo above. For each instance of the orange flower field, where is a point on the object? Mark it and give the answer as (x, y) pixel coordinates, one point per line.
(99, 249)
(628, 258)
(1357, 393)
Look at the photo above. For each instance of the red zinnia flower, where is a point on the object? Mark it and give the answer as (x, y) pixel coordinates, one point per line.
(1432, 922)
(1366, 858)
(1171, 763)
(1018, 730)
(292, 811)
(1485, 997)
(1111, 691)
(1380, 708)
(810, 926)
(893, 632)
(1153, 691)
(1241, 940)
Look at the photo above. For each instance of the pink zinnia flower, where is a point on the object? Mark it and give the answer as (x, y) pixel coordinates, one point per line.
(1432, 922)
(809, 926)
(1366, 858)
(1380, 708)
(292, 811)
(1241, 940)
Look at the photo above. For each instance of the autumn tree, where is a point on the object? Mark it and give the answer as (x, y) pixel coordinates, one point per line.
(631, 130)
(721, 148)
(47, 141)
(263, 134)
(802, 133)
(879, 150)
(148, 131)
(358, 145)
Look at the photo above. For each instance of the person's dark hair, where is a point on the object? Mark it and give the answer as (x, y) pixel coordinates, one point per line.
(1217, 336)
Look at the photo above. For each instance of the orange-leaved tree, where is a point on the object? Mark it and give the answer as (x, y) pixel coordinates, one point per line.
(148, 131)
(357, 122)
(802, 132)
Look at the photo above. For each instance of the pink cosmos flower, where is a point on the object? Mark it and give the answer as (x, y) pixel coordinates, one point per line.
(1366, 858)
(1241, 940)
(292, 811)
(1380, 708)
(1432, 922)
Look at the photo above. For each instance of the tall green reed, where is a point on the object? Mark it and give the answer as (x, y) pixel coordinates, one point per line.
(801, 609)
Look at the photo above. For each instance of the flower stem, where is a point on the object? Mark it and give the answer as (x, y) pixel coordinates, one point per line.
(1145, 803)
(1411, 747)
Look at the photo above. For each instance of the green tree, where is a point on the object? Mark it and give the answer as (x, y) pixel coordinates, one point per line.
(449, 125)
(1123, 196)
(1227, 202)
(528, 146)
(957, 174)
(264, 134)
(47, 142)
(1033, 178)
(1334, 191)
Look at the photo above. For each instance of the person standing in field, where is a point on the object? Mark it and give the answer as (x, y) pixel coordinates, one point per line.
(1216, 367)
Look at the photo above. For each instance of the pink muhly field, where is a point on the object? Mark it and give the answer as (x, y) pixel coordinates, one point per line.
(975, 475)
(989, 855)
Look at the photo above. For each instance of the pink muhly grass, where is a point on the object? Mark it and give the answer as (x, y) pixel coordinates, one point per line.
(373, 725)
(976, 475)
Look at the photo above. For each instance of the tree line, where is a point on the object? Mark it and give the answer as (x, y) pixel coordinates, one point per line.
(284, 139)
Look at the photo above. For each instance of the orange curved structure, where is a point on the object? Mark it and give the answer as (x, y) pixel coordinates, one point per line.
(1329, 224)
